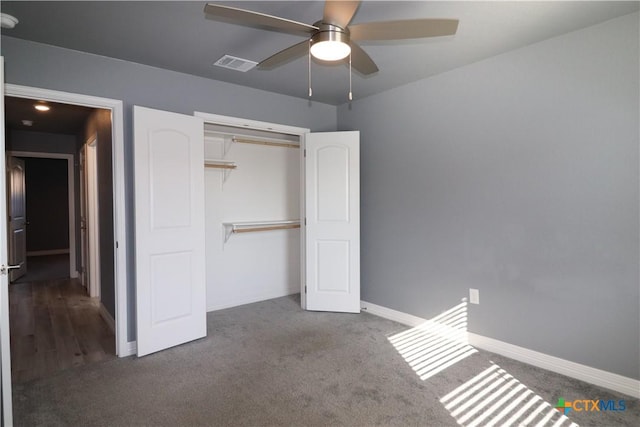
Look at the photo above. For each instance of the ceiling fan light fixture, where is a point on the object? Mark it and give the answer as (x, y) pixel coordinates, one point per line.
(330, 45)
(8, 21)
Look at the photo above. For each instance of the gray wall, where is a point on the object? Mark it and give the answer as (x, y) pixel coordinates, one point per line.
(41, 142)
(44, 66)
(517, 175)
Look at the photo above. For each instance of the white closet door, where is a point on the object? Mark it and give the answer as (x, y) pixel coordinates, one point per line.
(332, 232)
(5, 349)
(170, 246)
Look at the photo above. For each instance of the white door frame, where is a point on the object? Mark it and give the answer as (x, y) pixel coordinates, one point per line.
(123, 346)
(82, 190)
(73, 270)
(6, 411)
(92, 219)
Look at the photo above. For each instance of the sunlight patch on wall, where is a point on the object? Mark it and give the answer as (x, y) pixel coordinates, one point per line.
(494, 397)
(438, 343)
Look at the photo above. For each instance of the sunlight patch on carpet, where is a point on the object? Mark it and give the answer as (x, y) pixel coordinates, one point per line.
(436, 344)
(494, 397)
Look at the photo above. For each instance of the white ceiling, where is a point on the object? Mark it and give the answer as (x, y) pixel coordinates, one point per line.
(177, 36)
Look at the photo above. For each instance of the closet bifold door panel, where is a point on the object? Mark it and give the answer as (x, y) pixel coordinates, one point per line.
(169, 229)
(332, 213)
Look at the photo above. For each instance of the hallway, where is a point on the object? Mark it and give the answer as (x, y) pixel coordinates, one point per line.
(54, 325)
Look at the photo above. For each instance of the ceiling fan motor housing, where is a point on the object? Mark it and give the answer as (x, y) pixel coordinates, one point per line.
(330, 34)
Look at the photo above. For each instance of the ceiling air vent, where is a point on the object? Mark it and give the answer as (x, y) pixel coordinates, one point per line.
(234, 63)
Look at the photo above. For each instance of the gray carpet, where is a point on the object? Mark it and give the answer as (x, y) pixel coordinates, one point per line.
(270, 363)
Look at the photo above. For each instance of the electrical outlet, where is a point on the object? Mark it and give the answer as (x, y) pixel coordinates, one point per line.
(474, 296)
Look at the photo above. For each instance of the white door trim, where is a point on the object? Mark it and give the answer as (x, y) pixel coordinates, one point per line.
(82, 192)
(250, 124)
(6, 407)
(92, 219)
(73, 269)
(123, 346)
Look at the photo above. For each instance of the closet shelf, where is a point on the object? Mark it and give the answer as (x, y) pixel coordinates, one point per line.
(255, 226)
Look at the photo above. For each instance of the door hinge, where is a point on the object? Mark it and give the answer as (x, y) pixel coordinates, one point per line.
(305, 289)
(116, 245)
(305, 152)
(305, 221)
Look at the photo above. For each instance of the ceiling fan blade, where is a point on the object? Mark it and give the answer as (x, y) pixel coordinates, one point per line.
(361, 61)
(339, 12)
(257, 19)
(285, 55)
(406, 29)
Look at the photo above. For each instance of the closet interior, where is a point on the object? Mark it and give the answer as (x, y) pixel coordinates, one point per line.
(252, 215)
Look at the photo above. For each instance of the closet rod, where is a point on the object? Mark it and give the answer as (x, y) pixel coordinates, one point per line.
(248, 227)
(261, 142)
(220, 166)
(269, 228)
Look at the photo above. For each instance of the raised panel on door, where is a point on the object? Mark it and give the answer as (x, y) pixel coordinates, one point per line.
(169, 193)
(332, 231)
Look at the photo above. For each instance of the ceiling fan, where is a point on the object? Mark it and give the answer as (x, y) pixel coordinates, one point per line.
(332, 38)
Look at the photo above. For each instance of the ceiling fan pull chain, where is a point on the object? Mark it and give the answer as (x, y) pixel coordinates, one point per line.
(310, 91)
(350, 93)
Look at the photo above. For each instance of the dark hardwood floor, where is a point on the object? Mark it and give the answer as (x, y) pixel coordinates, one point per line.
(46, 267)
(55, 325)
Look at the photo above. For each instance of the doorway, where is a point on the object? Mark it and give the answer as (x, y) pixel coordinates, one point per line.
(125, 336)
(51, 214)
(55, 323)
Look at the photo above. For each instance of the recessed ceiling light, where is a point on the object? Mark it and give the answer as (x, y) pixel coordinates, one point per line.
(7, 21)
(42, 107)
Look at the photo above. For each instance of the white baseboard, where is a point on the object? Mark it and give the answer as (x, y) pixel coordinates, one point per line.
(108, 318)
(561, 366)
(578, 371)
(391, 314)
(48, 252)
